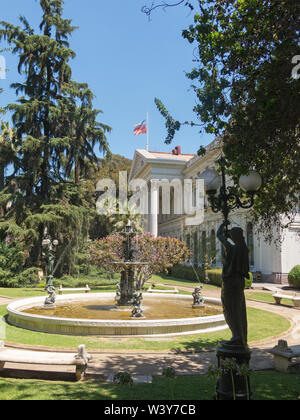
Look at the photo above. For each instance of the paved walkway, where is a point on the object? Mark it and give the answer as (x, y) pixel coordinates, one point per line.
(198, 363)
(147, 363)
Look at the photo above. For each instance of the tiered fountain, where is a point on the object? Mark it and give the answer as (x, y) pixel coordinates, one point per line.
(107, 314)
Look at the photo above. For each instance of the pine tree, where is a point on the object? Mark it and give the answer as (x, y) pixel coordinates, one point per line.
(56, 131)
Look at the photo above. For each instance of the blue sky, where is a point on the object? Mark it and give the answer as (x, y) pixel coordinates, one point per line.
(127, 62)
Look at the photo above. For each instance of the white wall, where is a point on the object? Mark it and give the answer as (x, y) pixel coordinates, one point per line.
(290, 255)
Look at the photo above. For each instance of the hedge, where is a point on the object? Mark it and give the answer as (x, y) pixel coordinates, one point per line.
(187, 272)
(294, 276)
(214, 275)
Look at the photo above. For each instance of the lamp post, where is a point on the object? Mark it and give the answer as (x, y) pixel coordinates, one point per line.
(233, 355)
(228, 198)
(48, 254)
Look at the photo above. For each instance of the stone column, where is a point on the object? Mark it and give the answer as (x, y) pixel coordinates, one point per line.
(154, 206)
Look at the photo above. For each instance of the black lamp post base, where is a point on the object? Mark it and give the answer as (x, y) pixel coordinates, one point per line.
(234, 381)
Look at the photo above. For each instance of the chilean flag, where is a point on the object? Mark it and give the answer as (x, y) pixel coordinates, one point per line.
(140, 128)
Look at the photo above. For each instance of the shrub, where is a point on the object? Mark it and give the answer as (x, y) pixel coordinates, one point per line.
(159, 253)
(248, 282)
(187, 273)
(12, 261)
(294, 276)
(215, 276)
(28, 277)
(123, 378)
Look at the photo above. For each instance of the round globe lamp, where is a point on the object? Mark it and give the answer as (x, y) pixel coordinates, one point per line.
(212, 181)
(250, 183)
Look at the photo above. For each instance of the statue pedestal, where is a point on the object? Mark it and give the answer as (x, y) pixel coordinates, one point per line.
(234, 381)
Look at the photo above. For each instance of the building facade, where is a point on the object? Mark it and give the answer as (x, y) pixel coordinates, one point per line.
(272, 261)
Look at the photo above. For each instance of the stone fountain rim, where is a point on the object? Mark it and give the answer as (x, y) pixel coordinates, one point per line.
(14, 309)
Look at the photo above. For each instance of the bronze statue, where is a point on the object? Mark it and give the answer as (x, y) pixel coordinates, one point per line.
(235, 271)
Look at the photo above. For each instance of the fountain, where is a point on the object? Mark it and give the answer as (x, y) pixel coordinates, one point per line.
(137, 311)
(48, 254)
(121, 314)
(198, 298)
(126, 288)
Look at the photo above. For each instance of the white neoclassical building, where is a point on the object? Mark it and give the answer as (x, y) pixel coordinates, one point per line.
(273, 261)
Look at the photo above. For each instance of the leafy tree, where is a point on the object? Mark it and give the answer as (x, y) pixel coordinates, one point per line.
(109, 167)
(160, 254)
(246, 93)
(56, 129)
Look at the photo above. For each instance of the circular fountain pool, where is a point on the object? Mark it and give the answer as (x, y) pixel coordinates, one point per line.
(97, 314)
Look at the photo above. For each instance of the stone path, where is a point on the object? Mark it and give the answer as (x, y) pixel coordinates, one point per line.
(195, 364)
(146, 364)
(5, 300)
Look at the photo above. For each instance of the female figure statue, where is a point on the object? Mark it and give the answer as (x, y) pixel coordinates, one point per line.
(235, 271)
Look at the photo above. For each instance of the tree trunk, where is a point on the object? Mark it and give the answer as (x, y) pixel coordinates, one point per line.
(77, 173)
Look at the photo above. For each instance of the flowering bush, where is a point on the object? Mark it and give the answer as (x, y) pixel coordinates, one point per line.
(160, 254)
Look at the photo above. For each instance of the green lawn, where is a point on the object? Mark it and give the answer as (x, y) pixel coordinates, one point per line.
(103, 286)
(266, 297)
(31, 292)
(268, 385)
(262, 325)
(180, 282)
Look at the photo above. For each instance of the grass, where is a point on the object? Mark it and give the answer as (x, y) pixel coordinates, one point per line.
(266, 297)
(266, 385)
(21, 293)
(31, 292)
(103, 286)
(172, 281)
(262, 325)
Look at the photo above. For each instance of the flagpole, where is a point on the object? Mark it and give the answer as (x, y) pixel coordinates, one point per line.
(147, 144)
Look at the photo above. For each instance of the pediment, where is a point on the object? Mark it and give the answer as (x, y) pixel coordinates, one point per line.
(137, 164)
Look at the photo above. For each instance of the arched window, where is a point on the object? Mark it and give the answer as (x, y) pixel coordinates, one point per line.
(250, 242)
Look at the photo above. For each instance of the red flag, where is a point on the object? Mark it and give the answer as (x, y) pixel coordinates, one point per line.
(140, 128)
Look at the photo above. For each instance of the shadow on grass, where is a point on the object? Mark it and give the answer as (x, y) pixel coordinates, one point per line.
(267, 385)
(185, 388)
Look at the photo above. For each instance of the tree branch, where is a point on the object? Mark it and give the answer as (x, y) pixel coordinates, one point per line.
(149, 9)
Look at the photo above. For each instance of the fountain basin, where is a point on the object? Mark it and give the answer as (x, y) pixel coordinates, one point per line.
(111, 327)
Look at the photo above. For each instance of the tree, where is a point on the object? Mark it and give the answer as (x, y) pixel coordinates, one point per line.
(159, 253)
(79, 121)
(109, 168)
(246, 93)
(56, 130)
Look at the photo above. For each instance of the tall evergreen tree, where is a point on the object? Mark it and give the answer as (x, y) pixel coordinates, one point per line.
(56, 130)
(84, 131)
